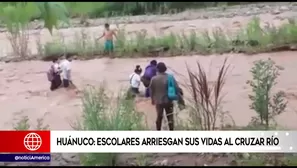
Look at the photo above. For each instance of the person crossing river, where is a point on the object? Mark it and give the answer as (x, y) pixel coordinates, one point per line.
(149, 73)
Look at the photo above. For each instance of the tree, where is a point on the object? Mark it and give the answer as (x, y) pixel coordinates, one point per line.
(264, 102)
(16, 17)
(50, 12)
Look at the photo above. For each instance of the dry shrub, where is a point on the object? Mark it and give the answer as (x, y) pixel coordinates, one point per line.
(205, 96)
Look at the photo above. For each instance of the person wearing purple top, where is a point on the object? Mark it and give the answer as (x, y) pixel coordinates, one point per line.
(149, 73)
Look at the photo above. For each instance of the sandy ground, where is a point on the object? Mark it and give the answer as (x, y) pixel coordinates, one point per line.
(24, 89)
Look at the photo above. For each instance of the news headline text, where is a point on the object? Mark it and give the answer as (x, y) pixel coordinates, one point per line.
(165, 141)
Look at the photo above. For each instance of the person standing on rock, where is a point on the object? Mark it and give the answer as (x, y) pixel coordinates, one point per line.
(161, 96)
(108, 35)
(66, 71)
(150, 72)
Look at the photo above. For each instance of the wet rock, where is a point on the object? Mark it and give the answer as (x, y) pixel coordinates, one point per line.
(205, 17)
(38, 27)
(7, 60)
(261, 5)
(70, 158)
(246, 155)
(276, 12)
(161, 163)
(280, 18)
(293, 47)
(233, 163)
(11, 79)
(166, 27)
(25, 81)
(284, 8)
(248, 13)
(55, 163)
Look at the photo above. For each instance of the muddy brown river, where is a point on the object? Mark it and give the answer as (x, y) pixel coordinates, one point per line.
(24, 89)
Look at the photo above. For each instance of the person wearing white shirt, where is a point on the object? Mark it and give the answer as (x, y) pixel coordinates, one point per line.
(66, 71)
(135, 80)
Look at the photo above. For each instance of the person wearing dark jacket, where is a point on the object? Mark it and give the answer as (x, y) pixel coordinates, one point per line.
(159, 96)
(56, 78)
(149, 73)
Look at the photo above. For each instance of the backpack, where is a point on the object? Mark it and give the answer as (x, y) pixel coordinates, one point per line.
(50, 73)
(171, 88)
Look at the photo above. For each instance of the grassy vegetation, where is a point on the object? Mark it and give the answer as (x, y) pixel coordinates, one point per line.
(250, 40)
(205, 109)
(24, 124)
(99, 115)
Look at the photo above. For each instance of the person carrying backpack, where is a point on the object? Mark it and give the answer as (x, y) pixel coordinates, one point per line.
(164, 90)
(53, 75)
(149, 73)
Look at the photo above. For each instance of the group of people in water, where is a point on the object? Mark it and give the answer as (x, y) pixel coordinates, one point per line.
(59, 73)
(160, 87)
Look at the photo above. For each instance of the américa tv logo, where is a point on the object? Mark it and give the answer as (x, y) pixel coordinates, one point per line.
(32, 141)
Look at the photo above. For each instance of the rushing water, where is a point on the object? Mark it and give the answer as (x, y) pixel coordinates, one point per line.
(24, 89)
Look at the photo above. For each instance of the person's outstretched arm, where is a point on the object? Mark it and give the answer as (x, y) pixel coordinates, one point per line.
(101, 36)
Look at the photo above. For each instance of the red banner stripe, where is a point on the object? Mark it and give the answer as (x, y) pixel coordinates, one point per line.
(25, 141)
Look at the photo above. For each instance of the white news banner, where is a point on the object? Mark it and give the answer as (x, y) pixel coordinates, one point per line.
(173, 141)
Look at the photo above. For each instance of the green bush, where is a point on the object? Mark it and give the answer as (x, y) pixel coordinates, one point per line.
(266, 104)
(98, 114)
